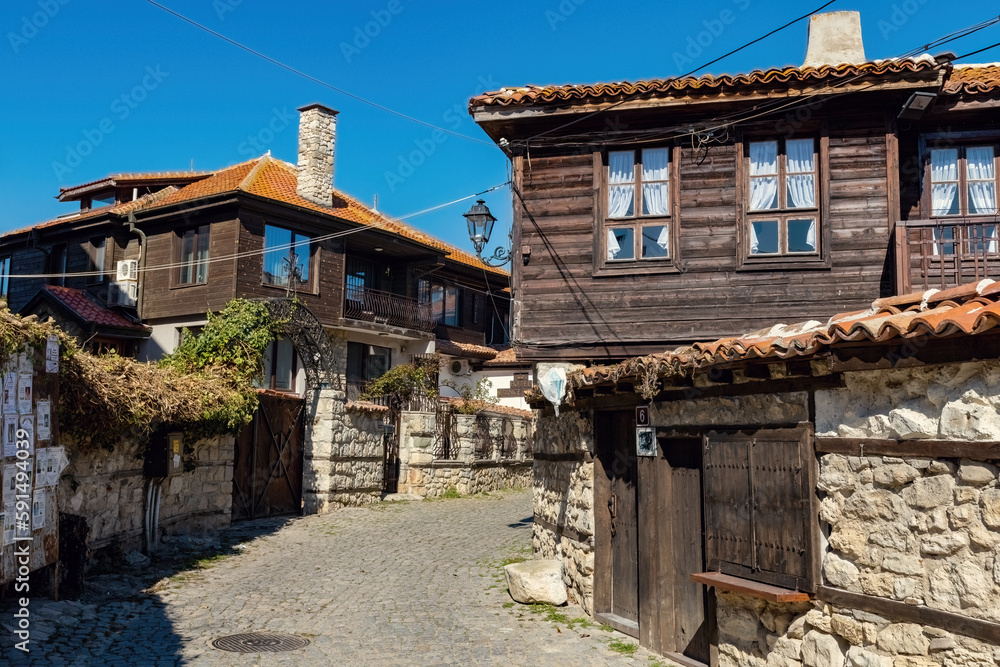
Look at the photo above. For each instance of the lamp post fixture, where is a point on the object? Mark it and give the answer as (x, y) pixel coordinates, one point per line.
(480, 222)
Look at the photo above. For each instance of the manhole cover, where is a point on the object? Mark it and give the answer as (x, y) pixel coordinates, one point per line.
(260, 642)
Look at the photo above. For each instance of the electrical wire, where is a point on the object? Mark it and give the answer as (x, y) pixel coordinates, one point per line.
(385, 221)
(312, 78)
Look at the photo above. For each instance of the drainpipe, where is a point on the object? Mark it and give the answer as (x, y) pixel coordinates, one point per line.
(142, 259)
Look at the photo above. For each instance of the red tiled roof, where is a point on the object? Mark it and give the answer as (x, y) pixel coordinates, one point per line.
(966, 310)
(973, 79)
(454, 349)
(506, 356)
(87, 309)
(120, 179)
(271, 178)
(770, 78)
(494, 407)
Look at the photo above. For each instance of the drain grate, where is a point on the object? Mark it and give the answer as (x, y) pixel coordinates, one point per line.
(260, 642)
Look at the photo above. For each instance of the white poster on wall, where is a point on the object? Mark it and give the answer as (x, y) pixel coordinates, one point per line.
(27, 424)
(8, 523)
(24, 393)
(10, 393)
(44, 419)
(10, 434)
(38, 509)
(41, 457)
(52, 355)
(9, 482)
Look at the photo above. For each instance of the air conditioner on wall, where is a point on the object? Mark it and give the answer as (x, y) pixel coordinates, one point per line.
(123, 294)
(128, 269)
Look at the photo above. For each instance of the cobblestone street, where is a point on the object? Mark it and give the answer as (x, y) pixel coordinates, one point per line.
(416, 583)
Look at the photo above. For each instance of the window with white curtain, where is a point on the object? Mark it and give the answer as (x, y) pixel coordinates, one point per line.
(782, 209)
(638, 187)
(963, 183)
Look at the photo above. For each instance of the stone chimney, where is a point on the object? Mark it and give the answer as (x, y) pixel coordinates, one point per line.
(317, 135)
(835, 39)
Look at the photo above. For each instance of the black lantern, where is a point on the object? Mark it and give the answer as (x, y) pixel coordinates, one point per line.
(480, 224)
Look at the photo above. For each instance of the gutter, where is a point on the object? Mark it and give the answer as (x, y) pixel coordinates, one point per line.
(142, 262)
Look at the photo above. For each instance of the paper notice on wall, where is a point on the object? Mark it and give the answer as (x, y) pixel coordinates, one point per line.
(24, 393)
(10, 393)
(10, 434)
(52, 355)
(41, 458)
(24, 360)
(38, 509)
(27, 424)
(44, 416)
(8, 523)
(9, 482)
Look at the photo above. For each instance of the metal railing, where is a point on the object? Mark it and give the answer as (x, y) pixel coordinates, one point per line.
(946, 252)
(355, 389)
(370, 305)
(446, 442)
(495, 437)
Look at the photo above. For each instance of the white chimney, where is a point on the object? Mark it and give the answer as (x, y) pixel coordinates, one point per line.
(835, 39)
(317, 138)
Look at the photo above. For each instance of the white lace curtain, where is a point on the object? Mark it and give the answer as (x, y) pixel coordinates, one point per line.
(944, 181)
(621, 184)
(655, 174)
(982, 180)
(763, 175)
(613, 247)
(801, 174)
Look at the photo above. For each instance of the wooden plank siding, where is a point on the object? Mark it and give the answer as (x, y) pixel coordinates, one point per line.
(563, 306)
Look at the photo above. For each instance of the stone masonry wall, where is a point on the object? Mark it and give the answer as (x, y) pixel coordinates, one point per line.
(422, 475)
(108, 489)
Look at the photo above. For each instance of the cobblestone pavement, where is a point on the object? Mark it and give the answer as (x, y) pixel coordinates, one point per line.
(415, 583)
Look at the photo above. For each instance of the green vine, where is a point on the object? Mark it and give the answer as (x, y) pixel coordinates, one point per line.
(404, 382)
(473, 397)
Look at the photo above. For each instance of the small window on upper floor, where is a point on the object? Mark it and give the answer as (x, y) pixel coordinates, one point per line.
(782, 210)
(57, 265)
(193, 256)
(445, 302)
(287, 256)
(637, 226)
(964, 181)
(95, 260)
(4, 276)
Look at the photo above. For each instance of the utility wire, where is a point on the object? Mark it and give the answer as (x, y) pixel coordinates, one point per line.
(312, 78)
(384, 222)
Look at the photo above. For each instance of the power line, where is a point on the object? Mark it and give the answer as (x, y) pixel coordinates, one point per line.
(312, 78)
(382, 224)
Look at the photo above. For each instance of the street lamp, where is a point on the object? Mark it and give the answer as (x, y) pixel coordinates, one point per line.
(480, 222)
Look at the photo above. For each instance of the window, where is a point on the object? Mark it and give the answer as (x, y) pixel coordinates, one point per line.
(782, 210)
(361, 275)
(445, 301)
(364, 364)
(286, 257)
(57, 265)
(193, 262)
(280, 365)
(95, 262)
(963, 181)
(638, 205)
(475, 309)
(4, 276)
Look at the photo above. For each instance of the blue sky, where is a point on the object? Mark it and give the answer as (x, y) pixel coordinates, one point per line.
(66, 65)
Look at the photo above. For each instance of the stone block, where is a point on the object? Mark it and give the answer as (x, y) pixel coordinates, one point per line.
(536, 582)
(839, 572)
(903, 639)
(930, 492)
(976, 473)
(859, 657)
(944, 544)
(990, 502)
(822, 650)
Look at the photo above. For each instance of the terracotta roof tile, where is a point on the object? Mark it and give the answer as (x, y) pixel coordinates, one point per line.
(611, 92)
(966, 310)
(277, 180)
(454, 349)
(113, 179)
(89, 310)
(973, 79)
(506, 356)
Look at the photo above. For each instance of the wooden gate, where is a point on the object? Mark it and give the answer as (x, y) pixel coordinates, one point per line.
(390, 447)
(267, 471)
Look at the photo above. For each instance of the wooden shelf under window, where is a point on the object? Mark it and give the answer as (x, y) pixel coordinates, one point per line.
(755, 589)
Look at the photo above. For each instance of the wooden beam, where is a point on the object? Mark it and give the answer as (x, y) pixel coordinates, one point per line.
(901, 611)
(935, 449)
(755, 589)
(913, 352)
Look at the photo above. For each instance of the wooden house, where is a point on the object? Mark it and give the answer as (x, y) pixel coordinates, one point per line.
(660, 212)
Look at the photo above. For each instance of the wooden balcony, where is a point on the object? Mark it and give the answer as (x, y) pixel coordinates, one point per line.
(369, 305)
(946, 252)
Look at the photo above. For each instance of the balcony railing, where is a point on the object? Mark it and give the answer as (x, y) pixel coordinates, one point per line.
(362, 303)
(946, 252)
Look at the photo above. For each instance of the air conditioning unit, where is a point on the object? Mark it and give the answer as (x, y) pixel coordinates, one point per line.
(128, 269)
(123, 294)
(456, 367)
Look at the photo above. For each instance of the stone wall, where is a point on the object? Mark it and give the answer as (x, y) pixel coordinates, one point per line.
(424, 475)
(108, 490)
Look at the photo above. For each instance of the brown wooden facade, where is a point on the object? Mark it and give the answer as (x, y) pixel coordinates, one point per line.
(873, 170)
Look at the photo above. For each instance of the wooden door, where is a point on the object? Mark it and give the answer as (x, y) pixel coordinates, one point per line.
(267, 467)
(616, 568)
(673, 610)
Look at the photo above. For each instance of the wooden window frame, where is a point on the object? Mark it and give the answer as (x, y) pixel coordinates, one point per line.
(178, 255)
(637, 265)
(459, 297)
(820, 258)
(963, 183)
(270, 380)
(5, 275)
(92, 259)
(311, 285)
(60, 250)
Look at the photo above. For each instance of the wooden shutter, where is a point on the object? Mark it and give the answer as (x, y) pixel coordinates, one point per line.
(758, 505)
